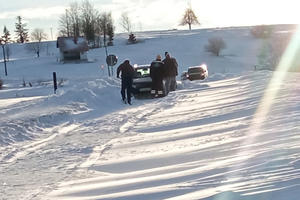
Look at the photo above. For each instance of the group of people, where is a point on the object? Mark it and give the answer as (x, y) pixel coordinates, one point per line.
(160, 71)
(163, 70)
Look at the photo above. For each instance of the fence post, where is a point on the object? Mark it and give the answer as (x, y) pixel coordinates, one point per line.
(54, 82)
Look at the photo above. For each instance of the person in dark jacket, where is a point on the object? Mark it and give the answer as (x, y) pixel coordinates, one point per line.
(127, 75)
(171, 71)
(157, 75)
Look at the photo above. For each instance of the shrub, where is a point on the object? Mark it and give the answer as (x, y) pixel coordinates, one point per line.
(215, 45)
(261, 31)
(132, 39)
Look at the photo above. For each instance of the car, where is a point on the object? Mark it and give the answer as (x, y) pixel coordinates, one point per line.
(142, 82)
(197, 72)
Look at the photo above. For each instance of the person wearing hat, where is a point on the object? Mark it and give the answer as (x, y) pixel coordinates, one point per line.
(157, 75)
(171, 71)
(127, 77)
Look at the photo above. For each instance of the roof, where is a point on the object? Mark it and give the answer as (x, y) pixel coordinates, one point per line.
(136, 66)
(202, 66)
(72, 44)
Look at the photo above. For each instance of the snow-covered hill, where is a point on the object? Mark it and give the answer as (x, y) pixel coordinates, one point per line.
(208, 140)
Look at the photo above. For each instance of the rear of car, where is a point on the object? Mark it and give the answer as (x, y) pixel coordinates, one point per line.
(142, 81)
(197, 72)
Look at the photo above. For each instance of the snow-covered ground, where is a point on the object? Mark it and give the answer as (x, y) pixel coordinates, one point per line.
(230, 137)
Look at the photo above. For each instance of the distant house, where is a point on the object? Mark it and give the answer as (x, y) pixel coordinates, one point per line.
(72, 49)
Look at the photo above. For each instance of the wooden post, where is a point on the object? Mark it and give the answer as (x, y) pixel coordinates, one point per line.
(54, 82)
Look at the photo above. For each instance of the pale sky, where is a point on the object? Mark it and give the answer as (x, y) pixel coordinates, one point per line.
(154, 14)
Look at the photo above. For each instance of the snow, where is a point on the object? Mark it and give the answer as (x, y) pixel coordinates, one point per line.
(210, 140)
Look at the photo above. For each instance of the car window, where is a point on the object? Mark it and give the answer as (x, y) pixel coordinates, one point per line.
(142, 72)
(195, 70)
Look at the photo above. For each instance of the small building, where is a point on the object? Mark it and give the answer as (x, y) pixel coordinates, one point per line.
(72, 48)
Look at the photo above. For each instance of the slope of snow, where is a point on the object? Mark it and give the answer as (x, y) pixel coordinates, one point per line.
(203, 141)
(204, 152)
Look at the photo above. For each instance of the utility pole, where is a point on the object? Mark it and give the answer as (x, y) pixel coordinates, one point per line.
(51, 33)
(106, 53)
(4, 57)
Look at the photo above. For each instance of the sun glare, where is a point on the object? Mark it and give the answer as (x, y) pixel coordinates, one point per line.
(262, 112)
(285, 64)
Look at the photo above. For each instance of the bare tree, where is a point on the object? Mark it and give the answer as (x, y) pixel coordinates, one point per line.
(65, 24)
(103, 26)
(85, 20)
(74, 14)
(88, 21)
(70, 21)
(127, 26)
(98, 30)
(106, 26)
(110, 30)
(189, 18)
(215, 45)
(126, 23)
(37, 36)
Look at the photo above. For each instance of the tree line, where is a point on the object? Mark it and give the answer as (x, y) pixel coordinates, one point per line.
(21, 32)
(78, 20)
(84, 20)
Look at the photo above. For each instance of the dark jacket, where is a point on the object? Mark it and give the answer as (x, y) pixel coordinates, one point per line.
(170, 66)
(126, 69)
(157, 70)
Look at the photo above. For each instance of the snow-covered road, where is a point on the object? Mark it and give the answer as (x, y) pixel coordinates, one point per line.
(192, 144)
(197, 143)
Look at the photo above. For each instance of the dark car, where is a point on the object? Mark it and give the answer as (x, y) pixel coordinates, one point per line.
(197, 72)
(142, 82)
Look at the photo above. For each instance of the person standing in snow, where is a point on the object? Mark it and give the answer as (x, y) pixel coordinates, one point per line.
(127, 76)
(171, 71)
(157, 75)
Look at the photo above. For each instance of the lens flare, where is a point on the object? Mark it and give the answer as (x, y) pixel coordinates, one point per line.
(285, 64)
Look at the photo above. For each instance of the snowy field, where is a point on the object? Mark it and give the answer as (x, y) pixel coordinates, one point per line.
(233, 136)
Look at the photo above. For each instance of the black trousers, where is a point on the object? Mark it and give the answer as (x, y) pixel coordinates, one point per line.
(157, 84)
(126, 88)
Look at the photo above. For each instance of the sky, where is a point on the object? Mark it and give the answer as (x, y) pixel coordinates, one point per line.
(154, 14)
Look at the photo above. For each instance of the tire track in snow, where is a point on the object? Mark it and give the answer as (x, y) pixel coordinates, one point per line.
(145, 110)
(35, 146)
(141, 114)
(130, 118)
